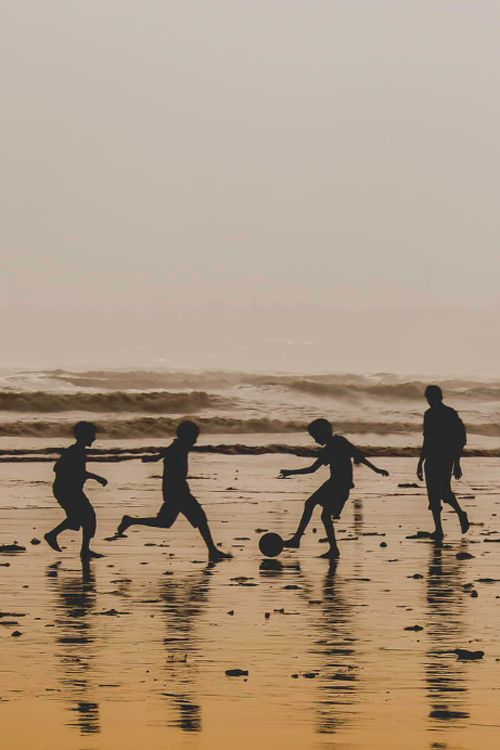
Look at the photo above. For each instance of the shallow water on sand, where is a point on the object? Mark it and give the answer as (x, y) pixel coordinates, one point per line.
(133, 650)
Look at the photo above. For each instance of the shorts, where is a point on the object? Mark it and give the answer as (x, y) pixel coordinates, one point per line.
(332, 497)
(79, 512)
(438, 482)
(181, 501)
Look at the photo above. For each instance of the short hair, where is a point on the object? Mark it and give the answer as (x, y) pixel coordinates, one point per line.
(434, 392)
(187, 430)
(320, 425)
(82, 430)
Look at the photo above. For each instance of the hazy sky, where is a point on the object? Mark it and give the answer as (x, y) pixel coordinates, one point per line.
(312, 163)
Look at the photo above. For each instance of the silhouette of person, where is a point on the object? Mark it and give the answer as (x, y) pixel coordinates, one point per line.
(177, 497)
(337, 453)
(444, 441)
(71, 475)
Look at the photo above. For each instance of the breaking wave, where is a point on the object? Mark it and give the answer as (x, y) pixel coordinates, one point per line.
(114, 401)
(395, 391)
(344, 387)
(143, 427)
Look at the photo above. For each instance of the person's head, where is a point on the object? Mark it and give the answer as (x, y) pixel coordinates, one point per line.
(188, 432)
(85, 432)
(434, 395)
(320, 430)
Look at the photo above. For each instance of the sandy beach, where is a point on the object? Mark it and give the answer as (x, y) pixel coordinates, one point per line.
(134, 649)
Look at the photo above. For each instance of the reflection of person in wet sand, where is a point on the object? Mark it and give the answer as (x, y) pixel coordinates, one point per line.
(444, 441)
(445, 675)
(75, 609)
(338, 648)
(183, 601)
(334, 645)
(337, 453)
(71, 475)
(177, 497)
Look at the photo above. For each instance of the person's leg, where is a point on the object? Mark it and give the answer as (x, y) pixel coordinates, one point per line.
(450, 499)
(89, 525)
(438, 532)
(197, 517)
(128, 521)
(214, 554)
(333, 551)
(434, 491)
(51, 536)
(309, 506)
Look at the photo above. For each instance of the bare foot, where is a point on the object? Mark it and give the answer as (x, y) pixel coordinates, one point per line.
(90, 554)
(51, 540)
(123, 525)
(217, 555)
(437, 536)
(332, 554)
(464, 522)
(292, 543)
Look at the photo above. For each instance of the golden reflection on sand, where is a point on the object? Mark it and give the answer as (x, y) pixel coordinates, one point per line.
(132, 650)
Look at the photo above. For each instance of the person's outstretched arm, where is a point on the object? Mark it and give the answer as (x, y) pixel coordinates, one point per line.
(284, 473)
(97, 478)
(374, 468)
(359, 458)
(151, 459)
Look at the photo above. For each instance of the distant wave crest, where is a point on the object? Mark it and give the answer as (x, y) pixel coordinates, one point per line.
(144, 427)
(112, 401)
(343, 387)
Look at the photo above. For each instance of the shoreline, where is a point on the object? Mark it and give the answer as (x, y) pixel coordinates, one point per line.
(114, 455)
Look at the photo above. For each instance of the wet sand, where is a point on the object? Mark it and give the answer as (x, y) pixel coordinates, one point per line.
(133, 650)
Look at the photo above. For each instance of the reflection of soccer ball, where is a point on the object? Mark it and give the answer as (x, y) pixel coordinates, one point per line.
(271, 544)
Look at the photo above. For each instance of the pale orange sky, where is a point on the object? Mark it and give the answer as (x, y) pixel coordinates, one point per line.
(288, 158)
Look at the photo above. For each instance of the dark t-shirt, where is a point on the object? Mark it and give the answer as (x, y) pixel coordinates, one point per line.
(444, 434)
(175, 466)
(70, 468)
(337, 454)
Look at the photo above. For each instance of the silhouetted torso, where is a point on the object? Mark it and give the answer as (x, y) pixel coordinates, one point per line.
(444, 434)
(175, 467)
(70, 469)
(337, 454)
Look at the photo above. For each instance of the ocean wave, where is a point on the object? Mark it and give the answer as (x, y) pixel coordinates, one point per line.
(396, 391)
(144, 427)
(347, 386)
(114, 401)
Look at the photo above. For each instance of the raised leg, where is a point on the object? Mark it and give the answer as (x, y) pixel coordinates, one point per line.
(128, 521)
(309, 507)
(452, 501)
(51, 536)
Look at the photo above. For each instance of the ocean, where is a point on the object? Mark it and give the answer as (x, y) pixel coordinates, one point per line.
(381, 412)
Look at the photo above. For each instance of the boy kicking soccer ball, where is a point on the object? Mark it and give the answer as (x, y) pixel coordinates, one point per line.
(337, 453)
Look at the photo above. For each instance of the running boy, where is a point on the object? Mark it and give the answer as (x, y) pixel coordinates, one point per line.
(177, 497)
(333, 494)
(71, 475)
